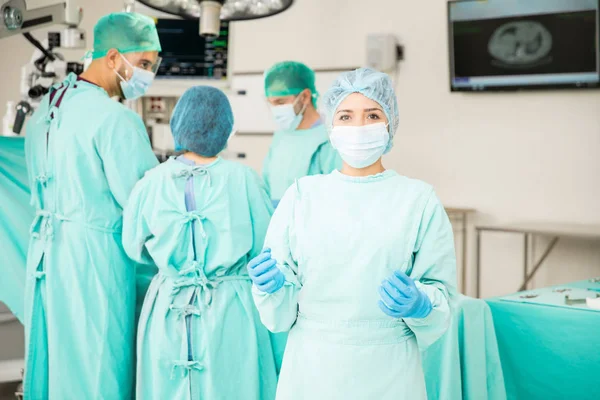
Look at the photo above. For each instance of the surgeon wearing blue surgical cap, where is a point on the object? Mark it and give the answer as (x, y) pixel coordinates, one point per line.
(85, 152)
(200, 219)
(359, 264)
(202, 121)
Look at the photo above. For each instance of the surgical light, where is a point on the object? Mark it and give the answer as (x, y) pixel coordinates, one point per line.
(211, 12)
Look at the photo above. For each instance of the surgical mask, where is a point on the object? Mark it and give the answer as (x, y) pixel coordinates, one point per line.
(87, 61)
(360, 146)
(286, 118)
(138, 84)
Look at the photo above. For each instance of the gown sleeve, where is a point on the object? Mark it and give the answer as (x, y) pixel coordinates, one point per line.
(278, 311)
(328, 159)
(260, 212)
(124, 147)
(434, 271)
(136, 231)
(266, 174)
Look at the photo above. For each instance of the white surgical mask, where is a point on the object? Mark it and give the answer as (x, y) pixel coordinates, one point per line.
(87, 61)
(286, 118)
(360, 146)
(138, 84)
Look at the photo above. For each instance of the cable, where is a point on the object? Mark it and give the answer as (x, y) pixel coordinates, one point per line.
(39, 46)
(40, 63)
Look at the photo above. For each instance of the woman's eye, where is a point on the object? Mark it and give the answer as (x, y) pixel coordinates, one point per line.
(344, 118)
(373, 116)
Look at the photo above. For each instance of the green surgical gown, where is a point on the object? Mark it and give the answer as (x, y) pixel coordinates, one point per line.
(15, 218)
(200, 335)
(295, 154)
(85, 152)
(336, 238)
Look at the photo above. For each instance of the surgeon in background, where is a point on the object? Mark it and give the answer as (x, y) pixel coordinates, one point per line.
(360, 263)
(300, 145)
(85, 152)
(200, 219)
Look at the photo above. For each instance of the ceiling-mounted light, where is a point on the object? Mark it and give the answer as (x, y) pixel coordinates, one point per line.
(259, 7)
(239, 6)
(235, 10)
(210, 12)
(210, 18)
(274, 3)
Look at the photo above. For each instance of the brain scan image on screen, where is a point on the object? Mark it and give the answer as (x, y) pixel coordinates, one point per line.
(520, 43)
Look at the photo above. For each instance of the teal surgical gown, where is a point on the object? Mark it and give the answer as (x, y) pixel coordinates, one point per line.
(295, 154)
(200, 335)
(336, 238)
(85, 152)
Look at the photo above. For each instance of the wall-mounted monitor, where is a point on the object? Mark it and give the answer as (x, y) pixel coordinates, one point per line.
(523, 44)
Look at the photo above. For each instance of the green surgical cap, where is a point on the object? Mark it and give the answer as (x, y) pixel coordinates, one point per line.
(126, 32)
(290, 78)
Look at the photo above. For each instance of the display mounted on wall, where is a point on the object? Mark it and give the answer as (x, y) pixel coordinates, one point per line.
(513, 45)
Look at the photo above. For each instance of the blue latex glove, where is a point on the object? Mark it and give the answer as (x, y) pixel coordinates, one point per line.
(264, 273)
(400, 297)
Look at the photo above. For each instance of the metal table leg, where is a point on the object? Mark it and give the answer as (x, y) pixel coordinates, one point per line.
(464, 253)
(478, 266)
(536, 267)
(525, 256)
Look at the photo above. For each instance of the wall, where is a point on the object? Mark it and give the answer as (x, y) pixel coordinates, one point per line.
(513, 157)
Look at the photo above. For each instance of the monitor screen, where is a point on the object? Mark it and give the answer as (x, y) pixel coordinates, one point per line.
(523, 44)
(186, 54)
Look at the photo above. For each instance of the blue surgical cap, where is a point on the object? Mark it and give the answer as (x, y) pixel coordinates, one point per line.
(126, 32)
(372, 84)
(202, 121)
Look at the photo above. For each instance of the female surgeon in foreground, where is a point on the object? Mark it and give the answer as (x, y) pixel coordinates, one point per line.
(359, 264)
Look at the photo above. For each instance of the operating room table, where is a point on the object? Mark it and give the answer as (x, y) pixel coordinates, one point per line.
(549, 342)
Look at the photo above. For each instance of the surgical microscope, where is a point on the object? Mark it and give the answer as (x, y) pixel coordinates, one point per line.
(47, 66)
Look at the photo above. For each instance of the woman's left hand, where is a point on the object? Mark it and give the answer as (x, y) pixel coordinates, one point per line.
(400, 297)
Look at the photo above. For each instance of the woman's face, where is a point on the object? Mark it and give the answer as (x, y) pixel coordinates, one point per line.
(358, 110)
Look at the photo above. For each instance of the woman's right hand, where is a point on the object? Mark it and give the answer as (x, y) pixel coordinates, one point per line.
(264, 273)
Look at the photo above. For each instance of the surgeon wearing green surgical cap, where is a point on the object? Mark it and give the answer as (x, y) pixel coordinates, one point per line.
(125, 56)
(85, 152)
(300, 145)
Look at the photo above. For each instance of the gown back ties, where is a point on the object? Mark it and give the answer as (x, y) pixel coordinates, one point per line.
(194, 275)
